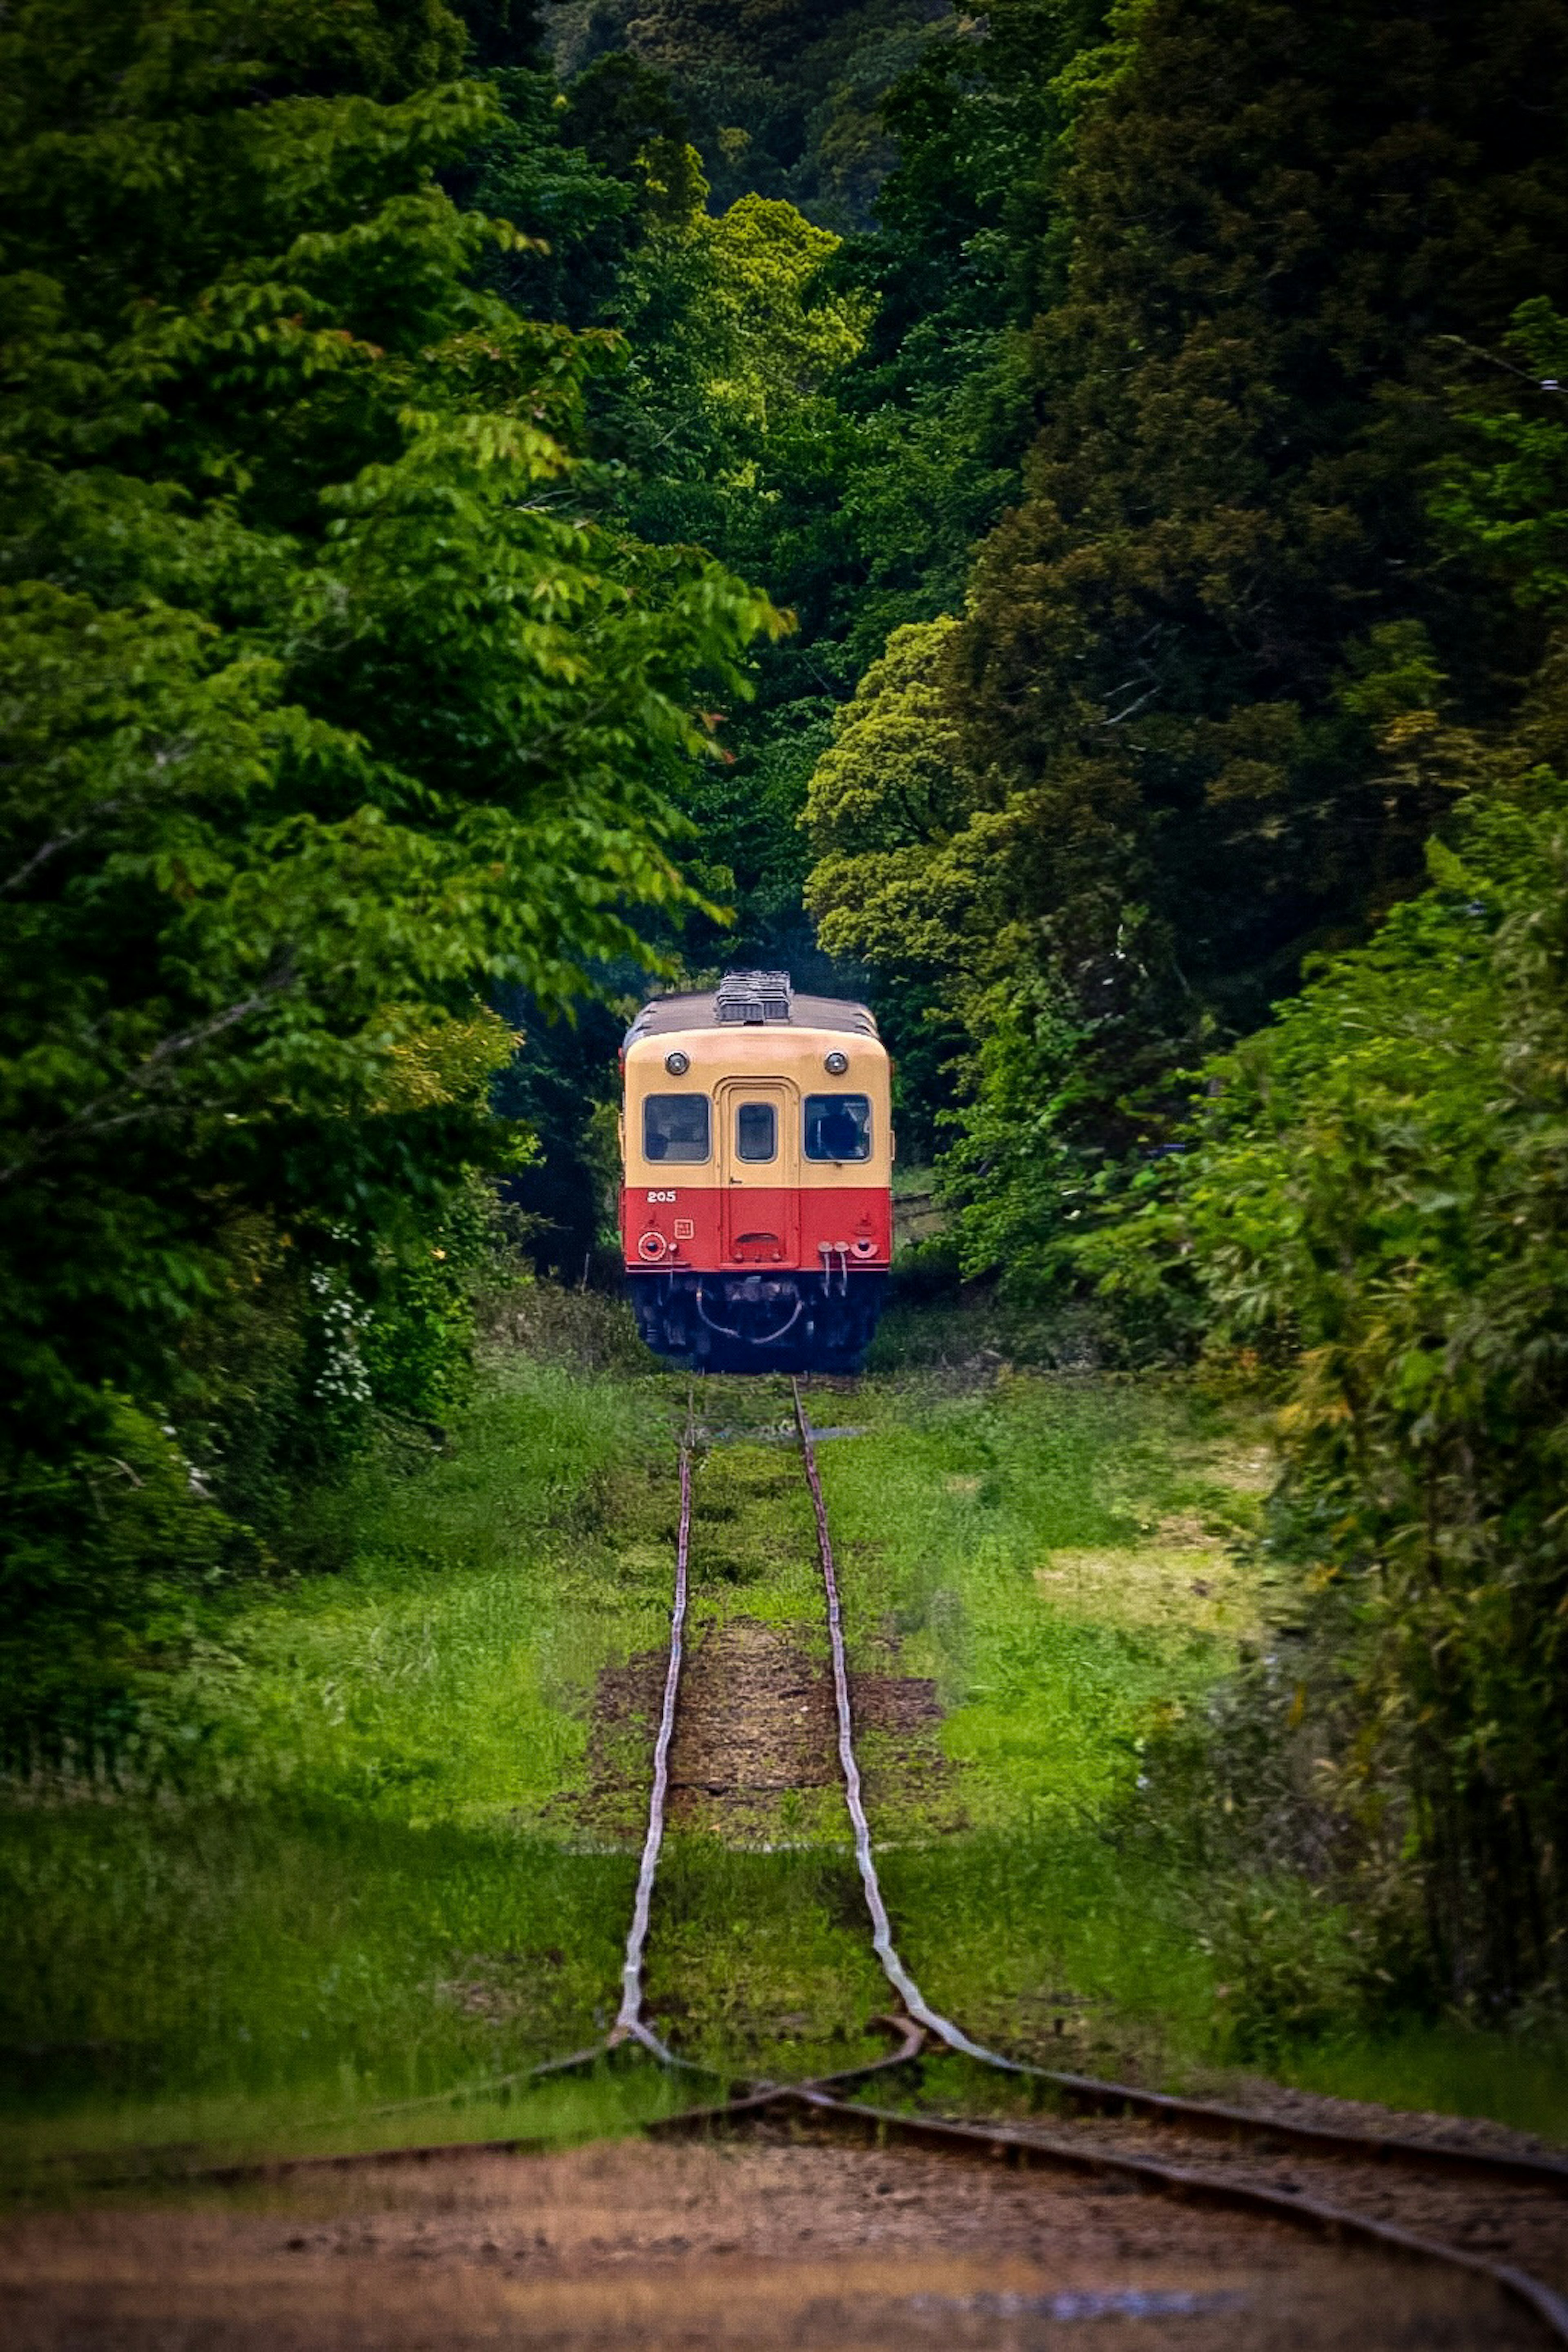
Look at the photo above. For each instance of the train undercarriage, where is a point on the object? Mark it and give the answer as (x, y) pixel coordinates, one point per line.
(784, 1322)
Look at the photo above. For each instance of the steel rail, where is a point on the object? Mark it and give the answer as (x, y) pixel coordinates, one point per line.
(630, 2023)
(816, 2097)
(893, 1968)
(755, 2098)
(1087, 2090)
(975, 2138)
(1227, 2122)
(1017, 2147)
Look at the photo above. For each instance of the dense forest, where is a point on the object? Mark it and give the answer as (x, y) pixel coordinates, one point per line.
(1055, 519)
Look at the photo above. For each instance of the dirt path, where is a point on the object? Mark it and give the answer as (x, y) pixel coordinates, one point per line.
(756, 1733)
(686, 2248)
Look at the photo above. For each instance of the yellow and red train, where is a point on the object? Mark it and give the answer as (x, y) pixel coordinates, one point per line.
(756, 1207)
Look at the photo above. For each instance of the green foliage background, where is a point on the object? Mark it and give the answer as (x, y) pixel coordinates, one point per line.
(1055, 521)
(331, 709)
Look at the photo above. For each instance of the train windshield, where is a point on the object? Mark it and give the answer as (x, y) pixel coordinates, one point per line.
(837, 1126)
(756, 1131)
(675, 1127)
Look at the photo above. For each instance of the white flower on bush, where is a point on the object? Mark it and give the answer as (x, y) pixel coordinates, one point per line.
(343, 1379)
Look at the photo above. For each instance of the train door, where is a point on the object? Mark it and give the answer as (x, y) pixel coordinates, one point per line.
(759, 1173)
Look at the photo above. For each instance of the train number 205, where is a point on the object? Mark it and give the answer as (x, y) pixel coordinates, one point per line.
(661, 1196)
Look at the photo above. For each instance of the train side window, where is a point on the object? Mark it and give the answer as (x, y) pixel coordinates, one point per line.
(837, 1126)
(756, 1131)
(675, 1127)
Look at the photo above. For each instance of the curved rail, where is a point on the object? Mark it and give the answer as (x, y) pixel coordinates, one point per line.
(1088, 2090)
(1225, 2122)
(818, 2098)
(893, 1969)
(630, 2023)
(1519, 2286)
(989, 2141)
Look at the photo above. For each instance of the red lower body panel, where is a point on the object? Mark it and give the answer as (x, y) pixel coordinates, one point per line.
(750, 1227)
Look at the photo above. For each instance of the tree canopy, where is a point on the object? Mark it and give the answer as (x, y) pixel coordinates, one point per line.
(1056, 519)
(330, 706)
(1186, 652)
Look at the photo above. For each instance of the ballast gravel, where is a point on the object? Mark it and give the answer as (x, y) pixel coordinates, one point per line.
(756, 2244)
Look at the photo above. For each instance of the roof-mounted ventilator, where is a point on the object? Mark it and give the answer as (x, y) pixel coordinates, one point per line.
(754, 997)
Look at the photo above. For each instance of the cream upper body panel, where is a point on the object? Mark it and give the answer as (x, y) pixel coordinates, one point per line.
(793, 1055)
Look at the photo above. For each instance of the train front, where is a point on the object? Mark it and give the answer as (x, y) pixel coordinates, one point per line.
(756, 1208)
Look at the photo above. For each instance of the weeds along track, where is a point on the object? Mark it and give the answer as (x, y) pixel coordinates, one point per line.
(630, 2023)
(1499, 2217)
(1390, 2183)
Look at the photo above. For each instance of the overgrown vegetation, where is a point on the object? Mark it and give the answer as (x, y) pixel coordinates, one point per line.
(1374, 1195)
(386, 1869)
(330, 711)
(1052, 520)
(1268, 630)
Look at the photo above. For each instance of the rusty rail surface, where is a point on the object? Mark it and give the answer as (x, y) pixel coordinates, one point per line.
(1224, 2122)
(989, 2142)
(893, 1969)
(631, 2024)
(818, 2101)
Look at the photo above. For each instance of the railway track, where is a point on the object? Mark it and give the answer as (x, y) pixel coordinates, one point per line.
(1247, 2175)
(1488, 2215)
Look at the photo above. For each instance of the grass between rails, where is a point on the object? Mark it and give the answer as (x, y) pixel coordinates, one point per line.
(381, 1880)
(762, 1957)
(1078, 1562)
(356, 1896)
(1061, 1555)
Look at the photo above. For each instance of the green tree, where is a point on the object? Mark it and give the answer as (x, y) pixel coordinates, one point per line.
(328, 709)
(734, 346)
(894, 885)
(1186, 650)
(782, 95)
(1503, 493)
(726, 424)
(1375, 1193)
(965, 254)
(1371, 1194)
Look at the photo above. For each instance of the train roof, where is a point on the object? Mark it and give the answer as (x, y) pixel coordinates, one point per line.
(751, 1000)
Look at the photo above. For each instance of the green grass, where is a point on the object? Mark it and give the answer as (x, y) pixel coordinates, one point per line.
(1517, 2078)
(444, 1675)
(248, 1942)
(358, 1893)
(1044, 1929)
(226, 1976)
(953, 1517)
(764, 1959)
(376, 1881)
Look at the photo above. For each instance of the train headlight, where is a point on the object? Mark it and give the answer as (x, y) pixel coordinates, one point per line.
(678, 1063)
(836, 1063)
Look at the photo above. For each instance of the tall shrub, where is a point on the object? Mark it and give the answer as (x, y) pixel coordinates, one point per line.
(1377, 1194)
(326, 708)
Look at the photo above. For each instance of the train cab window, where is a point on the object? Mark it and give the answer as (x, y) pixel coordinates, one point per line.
(837, 1126)
(675, 1127)
(756, 1131)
